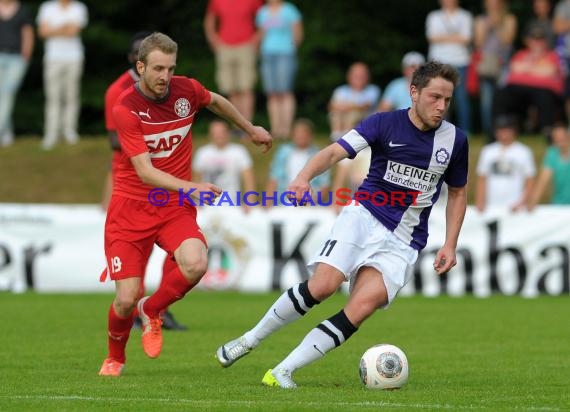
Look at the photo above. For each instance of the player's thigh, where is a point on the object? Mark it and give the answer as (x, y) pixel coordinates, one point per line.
(181, 237)
(358, 240)
(128, 259)
(367, 294)
(325, 281)
(129, 238)
(345, 247)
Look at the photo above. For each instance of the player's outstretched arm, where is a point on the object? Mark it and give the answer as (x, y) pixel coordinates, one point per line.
(223, 108)
(157, 178)
(320, 163)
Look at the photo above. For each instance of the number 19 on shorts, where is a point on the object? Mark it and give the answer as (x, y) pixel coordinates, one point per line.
(116, 264)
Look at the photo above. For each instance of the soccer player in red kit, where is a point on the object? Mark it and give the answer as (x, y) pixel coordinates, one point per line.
(154, 120)
(126, 80)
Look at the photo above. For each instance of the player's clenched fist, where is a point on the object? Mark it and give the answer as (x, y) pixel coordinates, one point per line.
(299, 188)
(261, 137)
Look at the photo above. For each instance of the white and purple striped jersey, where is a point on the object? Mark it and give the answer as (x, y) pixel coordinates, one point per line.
(407, 169)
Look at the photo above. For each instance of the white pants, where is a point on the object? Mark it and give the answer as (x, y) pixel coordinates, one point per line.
(62, 81)
(358, 239)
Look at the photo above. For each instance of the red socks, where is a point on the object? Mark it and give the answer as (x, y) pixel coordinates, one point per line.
(172, 288)
(119, 330)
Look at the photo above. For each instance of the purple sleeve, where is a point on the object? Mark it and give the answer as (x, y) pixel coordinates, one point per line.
(349, 149)
(370, 128)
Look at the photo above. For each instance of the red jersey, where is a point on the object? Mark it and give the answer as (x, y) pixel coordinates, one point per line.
(161, 128)
(236, 19)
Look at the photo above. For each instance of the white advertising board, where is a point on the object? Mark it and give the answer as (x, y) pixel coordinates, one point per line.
(59, 248)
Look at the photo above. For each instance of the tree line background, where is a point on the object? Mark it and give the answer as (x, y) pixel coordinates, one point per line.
(337, 33)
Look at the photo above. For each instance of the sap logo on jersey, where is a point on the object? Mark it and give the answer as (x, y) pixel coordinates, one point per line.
(162, 144)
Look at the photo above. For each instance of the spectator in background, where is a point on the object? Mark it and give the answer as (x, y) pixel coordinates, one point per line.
(230, 30)
(542, 16)
(449, 32)
(397, 93)
(535, 79)
(505, 170)
(60, 24)
(561, 25)
(555, 170)
(126, 80)
(281, 32)
(495, 32)
(16, 47)
(291, 157)
(353, 101)
(225, 164)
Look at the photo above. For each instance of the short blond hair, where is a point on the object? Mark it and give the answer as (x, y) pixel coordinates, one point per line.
(156, 41)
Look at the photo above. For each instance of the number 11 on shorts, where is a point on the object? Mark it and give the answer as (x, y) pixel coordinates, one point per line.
(329, 245)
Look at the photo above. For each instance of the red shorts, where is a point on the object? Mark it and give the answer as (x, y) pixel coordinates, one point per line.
(134, 226)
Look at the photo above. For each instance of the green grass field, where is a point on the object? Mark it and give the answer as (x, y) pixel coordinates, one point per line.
(501, 353)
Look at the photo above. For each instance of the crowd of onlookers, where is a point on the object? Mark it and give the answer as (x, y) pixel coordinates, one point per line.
(59, 25)
(530, 83)
(524, 89)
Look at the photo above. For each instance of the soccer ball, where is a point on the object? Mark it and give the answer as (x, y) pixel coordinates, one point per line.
(384, 366)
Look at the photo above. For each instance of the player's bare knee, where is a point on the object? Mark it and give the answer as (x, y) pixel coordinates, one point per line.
(325, 282)
(125, 303)
(320, 289)
(194, 267)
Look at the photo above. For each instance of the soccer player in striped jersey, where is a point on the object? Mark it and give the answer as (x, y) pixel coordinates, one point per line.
(374, 242)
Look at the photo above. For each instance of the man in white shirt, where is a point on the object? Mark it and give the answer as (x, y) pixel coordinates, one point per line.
(60, 23)
(506, 169)
(449, 32)
(225, 164)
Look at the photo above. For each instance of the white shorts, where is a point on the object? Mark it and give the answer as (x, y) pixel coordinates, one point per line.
(358, 239)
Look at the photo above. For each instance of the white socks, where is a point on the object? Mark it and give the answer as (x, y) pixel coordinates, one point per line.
(290, 306)
(328, 335)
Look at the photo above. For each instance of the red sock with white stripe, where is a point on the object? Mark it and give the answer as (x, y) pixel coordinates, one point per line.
(118, 333)
(172, 288)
